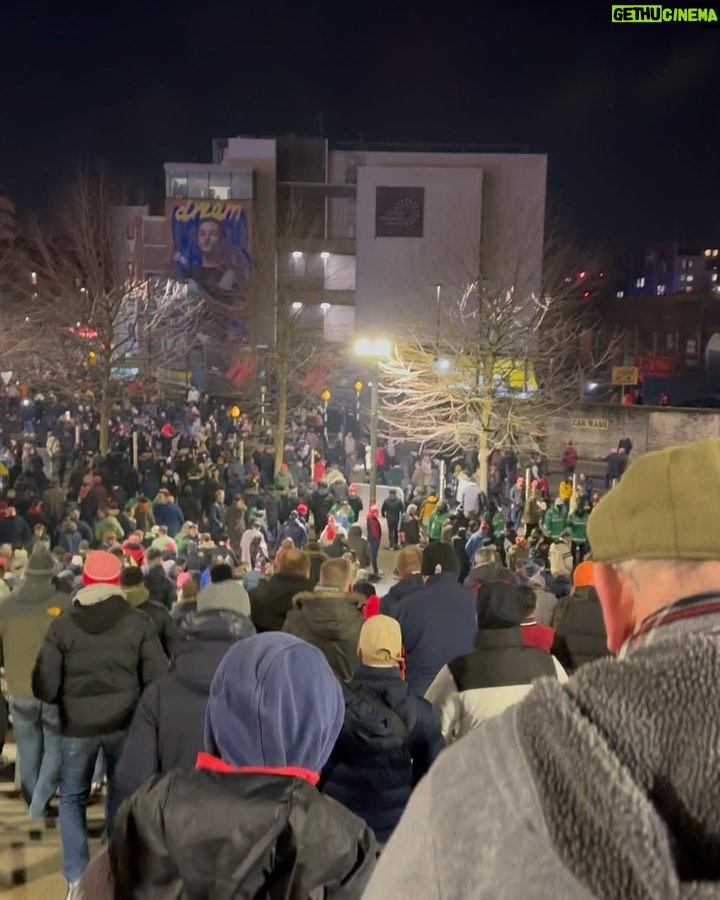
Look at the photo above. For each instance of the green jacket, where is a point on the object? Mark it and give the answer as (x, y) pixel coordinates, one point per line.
(435, 524)
(498, 523)
(554, 521)
(24, 619)
(350, 514)
(577, 526)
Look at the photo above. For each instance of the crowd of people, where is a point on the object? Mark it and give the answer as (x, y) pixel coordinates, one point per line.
(207, 638)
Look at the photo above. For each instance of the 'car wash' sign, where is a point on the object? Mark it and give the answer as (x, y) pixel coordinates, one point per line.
(594, 424)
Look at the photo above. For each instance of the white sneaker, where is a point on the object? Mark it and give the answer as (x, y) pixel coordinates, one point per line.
(72, 890)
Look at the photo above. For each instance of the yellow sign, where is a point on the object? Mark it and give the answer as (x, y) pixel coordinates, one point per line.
(235, 412)
(598, 424)
(625, 375)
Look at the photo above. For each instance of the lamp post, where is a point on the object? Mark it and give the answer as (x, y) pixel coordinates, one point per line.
(375, 349)
(325, 396)
(358, 387)
(263, 392)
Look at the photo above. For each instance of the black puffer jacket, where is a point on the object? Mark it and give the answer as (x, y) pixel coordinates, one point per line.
(390, 603)
(580, 635)
(374, 767)
(96, 661)
(168, 726)
(271, 600)
(217, 835)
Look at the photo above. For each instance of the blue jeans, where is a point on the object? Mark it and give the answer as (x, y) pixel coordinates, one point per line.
(374, 547)
(77, 762)
(37, 734)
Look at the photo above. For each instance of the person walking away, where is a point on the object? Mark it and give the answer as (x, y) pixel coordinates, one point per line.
(249, 820)
(437, 621)
(358, 545)
(409, 565)
(160, 588)
(578, 621)
(374, 537)
(410, 534)
(167, 728)
(437, 520)
(517, 501)
(271, 600)
(392, 510)
(389, 737)
(569, 460)
(95, 661)
(138, 596)
(25, 616)
(577, 529)
(642, 726)
(330, 617)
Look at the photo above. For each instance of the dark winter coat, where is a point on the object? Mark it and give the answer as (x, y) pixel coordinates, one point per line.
(331, 621)
(373, 768)
(170, 515)
(219, 835)
(14, 530)
(271, 600)
(321, 503)
(390, 603)
(139, 598)
(159, 586)
(438, 623)
(168, 726)
(95, 662)
(580, 635)
(410, 527)
(392, 509)
(357, 543)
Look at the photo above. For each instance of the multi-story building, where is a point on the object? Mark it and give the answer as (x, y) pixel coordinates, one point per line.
(667, 268)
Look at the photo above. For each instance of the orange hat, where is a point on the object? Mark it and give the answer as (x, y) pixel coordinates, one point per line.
(101, 567)
(584, 575)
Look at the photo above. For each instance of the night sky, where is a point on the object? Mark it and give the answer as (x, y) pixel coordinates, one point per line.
(629, 116)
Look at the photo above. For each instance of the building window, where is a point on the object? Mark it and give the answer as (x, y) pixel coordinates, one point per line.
(690, 277)
(178, 186)
(682, 276)
(620, 294)
(670, 342)
(220, 185)
(198, 184)
(130, 232)
(715, 252)
(714, 276)
(297, 263)
(689, 264)
(691, 348)
(640, 282)
(660, 289)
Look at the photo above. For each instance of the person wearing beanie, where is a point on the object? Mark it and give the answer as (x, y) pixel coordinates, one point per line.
(606, 787)
(580, 635)
(94, 663)
(25, 617)
(160, 587)
(389, 736)
(500, 669)
(437, 621)
(249, 820)
(293, 529)
(330, 616)
(225, 593)
(138, 596)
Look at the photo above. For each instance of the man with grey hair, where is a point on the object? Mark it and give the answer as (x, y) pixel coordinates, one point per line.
(607, 786)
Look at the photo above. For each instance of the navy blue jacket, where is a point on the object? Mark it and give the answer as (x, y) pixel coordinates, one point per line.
(167, 729)
(170, 515)
(372, 771)
(438, 624)
(390, 603)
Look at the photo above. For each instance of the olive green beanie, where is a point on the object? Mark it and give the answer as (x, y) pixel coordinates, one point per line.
(667, 506)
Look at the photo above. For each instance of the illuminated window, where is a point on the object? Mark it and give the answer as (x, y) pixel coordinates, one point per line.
(660, 289)
(690, 277)
(620, 294)
(640, 282)
(714, 276)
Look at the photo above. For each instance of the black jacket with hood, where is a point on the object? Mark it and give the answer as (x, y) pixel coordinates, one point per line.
(139, 598)
(167, 728)
(97, 658)
(580, 635)
(271, 600)
(391, 601)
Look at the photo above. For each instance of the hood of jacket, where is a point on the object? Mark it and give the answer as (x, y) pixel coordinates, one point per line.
(225, 595)
(486, 573)
(35, 590)
(355, 531)
(136, 596)
(274, 701)
(99, 608)
(331, 614)
(406, 586)
(499, 605)
(640, 818)
(203, 640)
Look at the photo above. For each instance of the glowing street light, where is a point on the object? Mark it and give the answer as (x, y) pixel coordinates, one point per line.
(324, 255)
(324, 307)
(296, 306)
(297, 254)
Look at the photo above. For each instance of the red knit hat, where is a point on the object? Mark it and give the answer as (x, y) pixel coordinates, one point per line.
(101, 567)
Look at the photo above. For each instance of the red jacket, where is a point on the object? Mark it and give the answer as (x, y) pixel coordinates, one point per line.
(535, 634)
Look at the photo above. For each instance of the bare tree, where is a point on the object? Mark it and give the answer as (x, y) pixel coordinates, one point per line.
(95, 328)
(505, 356)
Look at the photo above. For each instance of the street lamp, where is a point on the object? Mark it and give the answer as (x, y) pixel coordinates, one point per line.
(325, 396)
(358, 387)
(375, 349)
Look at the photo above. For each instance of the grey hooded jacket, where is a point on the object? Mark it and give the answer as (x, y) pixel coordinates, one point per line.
(605, 787)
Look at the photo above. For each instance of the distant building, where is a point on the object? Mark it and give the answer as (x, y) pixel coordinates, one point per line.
(667, 268)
